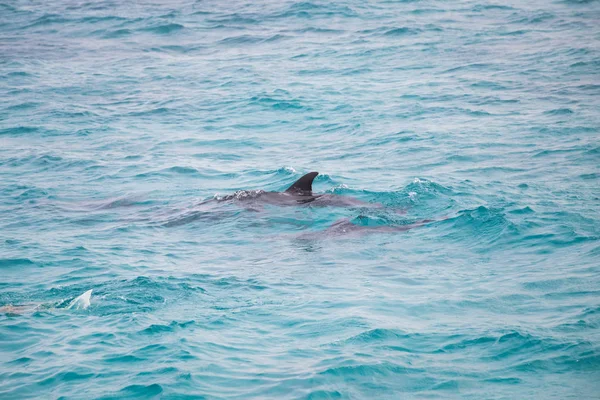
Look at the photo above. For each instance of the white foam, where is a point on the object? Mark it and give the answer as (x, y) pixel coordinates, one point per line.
(82, 301)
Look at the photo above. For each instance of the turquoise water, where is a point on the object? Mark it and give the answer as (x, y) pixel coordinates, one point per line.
(119, 120)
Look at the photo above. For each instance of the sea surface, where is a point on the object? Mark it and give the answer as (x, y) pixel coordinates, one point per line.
(126, 126)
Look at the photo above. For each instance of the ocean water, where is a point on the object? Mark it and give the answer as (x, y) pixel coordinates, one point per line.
(122, 125)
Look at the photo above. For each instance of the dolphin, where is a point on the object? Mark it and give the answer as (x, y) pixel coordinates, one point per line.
(345, 227)
(299, 193)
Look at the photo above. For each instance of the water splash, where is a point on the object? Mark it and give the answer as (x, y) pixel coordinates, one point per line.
(82, 301)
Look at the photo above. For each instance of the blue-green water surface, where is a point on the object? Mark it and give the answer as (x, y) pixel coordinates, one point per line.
(119, 119)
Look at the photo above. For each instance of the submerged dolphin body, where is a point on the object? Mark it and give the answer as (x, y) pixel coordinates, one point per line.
(345, 227)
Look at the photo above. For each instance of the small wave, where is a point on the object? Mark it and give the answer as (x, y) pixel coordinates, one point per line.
(175, 170)
(430, 196)
(483, 7)
(98, 19)
(202, 12)
(559, 111)
(402, 31)
(164, 29)
(350, 72)
(15, 262)
(242, 39)
(470, 67)
(317, 71)
(21, 361)
(65, 376)
(592, 176)
(488, 85)
(583, 64)
(370, 370)
(232, 19)
(252, 39)
(309, 10)
(47, 159)
(377, 335)
(183, 170)
(514, 33)
(324, 395)
(391, 31)
(19, 130)
(481, 227)
(422, 186)
(8, 7)
(278, 104)
(24, 106)
(546, 153)
(159, 328)
(187, 49)
(536, 19)
(589, 86)
(32, 194)
(592, 152)
(319, 30)
(119, 33)
(143, 391)
(154, 111)
(523, 211)
(19, 74)
(276, 38)
(47, 19)
(124, 359)
(425, 11)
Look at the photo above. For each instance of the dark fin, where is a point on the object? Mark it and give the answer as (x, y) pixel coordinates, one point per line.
(303, 185)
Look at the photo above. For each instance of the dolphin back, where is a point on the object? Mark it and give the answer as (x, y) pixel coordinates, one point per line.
(303, 186)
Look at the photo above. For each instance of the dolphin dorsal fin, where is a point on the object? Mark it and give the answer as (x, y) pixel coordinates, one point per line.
(303, 185)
